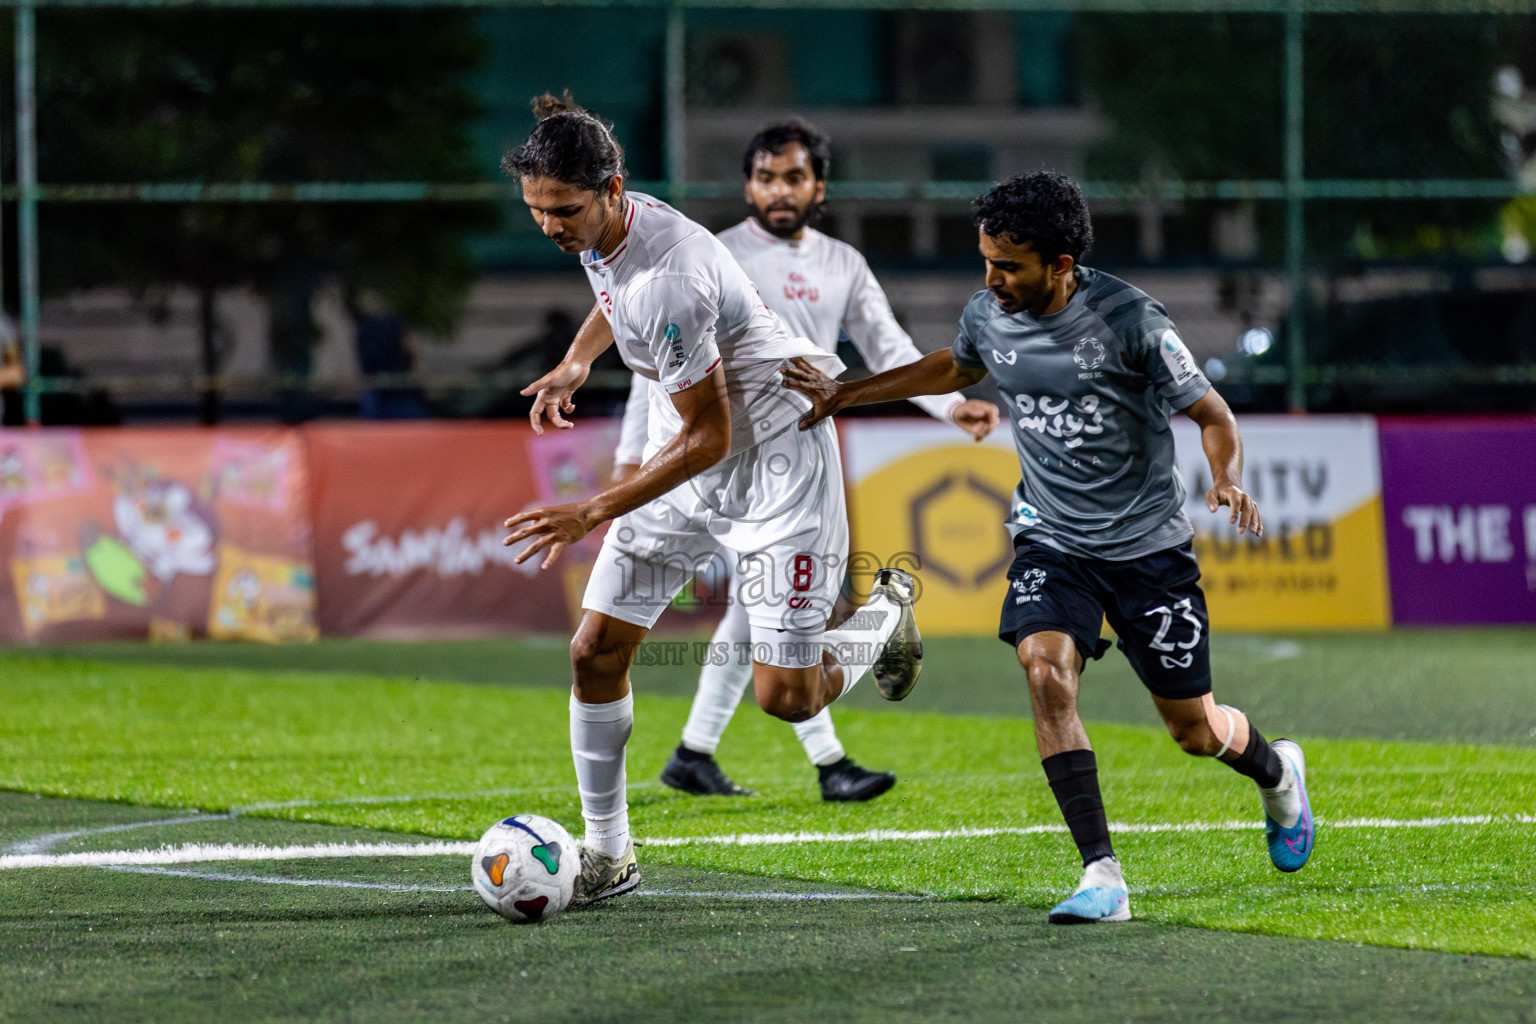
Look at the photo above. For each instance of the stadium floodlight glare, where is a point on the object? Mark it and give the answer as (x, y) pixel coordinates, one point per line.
(1515, 247)
(1509, 83)
(1256, 341)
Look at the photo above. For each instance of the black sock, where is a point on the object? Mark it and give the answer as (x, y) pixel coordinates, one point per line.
(1074, 778)
(685, 755)
(823, 770)
(1258, 761)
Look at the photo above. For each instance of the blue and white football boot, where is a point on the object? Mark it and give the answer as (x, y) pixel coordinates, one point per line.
(1100, 896)
(1288, 827)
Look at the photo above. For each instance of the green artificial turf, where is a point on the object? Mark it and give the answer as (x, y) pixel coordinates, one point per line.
(446, 759)
(1458, 686)
(306, 940)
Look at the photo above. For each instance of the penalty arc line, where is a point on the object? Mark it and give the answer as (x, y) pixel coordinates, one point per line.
(197, 853)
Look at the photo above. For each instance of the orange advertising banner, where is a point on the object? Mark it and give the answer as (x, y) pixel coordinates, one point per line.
(121, 534)
(275, 535)
(408, 525)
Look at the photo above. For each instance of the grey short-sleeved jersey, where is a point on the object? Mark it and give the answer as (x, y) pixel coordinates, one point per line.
(1090, 390)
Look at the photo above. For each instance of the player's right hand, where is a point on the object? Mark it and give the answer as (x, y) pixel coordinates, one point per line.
(822, 390)
(975, 416)
(552, 395)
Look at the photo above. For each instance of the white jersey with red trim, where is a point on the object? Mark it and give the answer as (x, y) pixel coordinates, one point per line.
(820, 287)
(679, 305)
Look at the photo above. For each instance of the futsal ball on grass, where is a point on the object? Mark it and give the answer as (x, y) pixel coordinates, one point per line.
(525, 868)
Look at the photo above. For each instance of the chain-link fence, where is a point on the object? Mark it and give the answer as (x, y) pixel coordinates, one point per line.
(1330, 197)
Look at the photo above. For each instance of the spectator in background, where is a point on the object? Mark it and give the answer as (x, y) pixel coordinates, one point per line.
(13, 374)
(384, 346)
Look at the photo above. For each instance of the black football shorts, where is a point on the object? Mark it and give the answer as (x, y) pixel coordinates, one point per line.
(1153, 603)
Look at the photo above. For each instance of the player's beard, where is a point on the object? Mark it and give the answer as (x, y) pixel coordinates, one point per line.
(809, 215)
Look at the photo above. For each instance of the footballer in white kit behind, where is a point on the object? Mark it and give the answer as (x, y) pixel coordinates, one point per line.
(728, 470)
(819, 288)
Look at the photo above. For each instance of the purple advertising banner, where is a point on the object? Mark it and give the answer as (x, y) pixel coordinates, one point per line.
(1460, 506)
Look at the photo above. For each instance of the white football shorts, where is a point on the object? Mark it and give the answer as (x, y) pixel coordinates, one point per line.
(776, 511)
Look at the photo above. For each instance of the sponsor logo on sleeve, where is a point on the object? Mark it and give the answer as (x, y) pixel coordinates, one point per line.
(1177, 357)
(673, 336)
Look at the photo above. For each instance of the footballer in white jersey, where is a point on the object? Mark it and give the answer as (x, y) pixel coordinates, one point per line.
(729, 474)
(819, 288)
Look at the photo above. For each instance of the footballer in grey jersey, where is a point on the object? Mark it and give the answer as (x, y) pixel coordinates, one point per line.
(1088, 390)
(1091, 369)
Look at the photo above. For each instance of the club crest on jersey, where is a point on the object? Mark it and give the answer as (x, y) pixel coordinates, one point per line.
(1027, 587)
(673, 336)
(1000, 358)
(799, 288)
(1089, 355)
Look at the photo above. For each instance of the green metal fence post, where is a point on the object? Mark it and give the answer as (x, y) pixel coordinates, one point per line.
(1295, 198)
(676, 103)
(26, 200)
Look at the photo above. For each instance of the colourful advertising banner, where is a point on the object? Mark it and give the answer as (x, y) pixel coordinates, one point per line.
(1321, 563)
(155, 533)
(1461, 519)
(408, 526)
(923, 496)
(919, 490)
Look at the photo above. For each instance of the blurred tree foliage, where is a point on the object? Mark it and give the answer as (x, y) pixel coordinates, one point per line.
(1402, 96)
(278, 96)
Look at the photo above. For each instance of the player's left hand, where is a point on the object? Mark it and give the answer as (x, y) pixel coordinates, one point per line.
(555, 527)
(976, 416)
(1245, 511)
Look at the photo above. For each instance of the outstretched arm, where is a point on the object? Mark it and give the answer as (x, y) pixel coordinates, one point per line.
(553, 391)
(1224, 450)
(704, 440)
(935, 374)
(872, 326)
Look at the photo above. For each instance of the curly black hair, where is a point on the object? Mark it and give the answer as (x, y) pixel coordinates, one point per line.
(1043, 209)
(775, 137)
(568, 144)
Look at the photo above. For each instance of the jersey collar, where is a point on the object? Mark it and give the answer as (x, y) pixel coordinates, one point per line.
(590, 260)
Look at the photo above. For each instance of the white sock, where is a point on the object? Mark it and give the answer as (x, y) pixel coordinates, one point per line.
(1103, 873)
(721, 687)
(598, 735)
(1283, 803)
(819, 738)
(856, 643)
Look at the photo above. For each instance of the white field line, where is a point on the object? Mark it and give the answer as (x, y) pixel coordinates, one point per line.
(337, 883)
(1123, 828)
(199, 853)
(324, 883)
(41, 844)
(203, 853)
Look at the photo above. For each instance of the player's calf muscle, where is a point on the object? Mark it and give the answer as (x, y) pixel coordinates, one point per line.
(1052, 680)
(795, 695)
(1194, 737)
